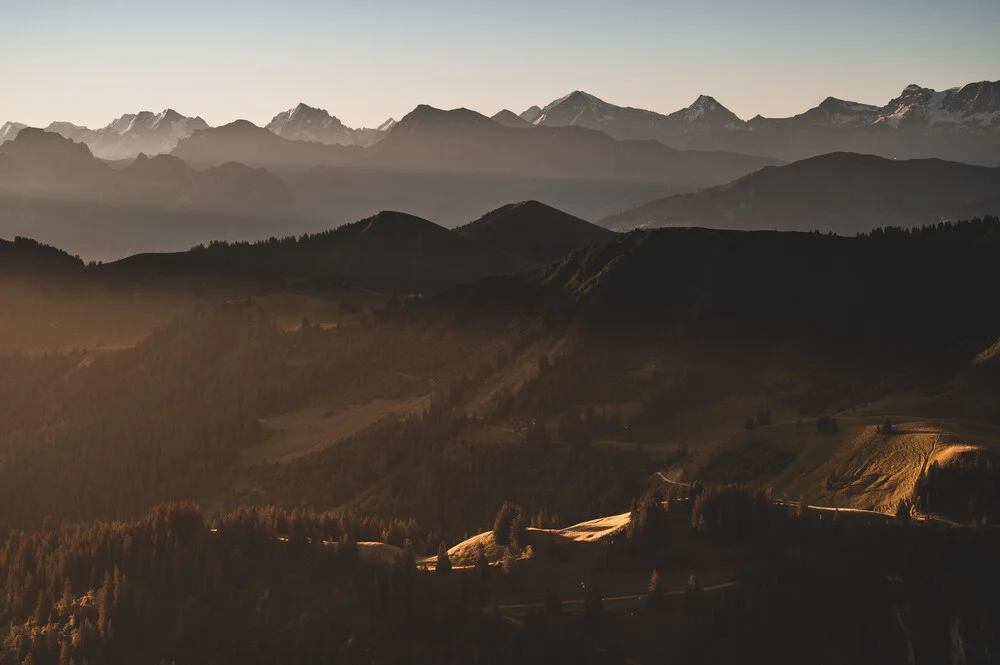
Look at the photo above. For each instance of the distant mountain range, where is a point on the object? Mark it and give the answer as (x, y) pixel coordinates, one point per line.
(463, 141)
(158, 133)
(961, 124)
(53, 189)
(44, 165)
(841, 192)
(124, 138)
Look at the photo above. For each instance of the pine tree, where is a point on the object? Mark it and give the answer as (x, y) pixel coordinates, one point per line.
(654, 597)
(502, 524)
(482, 562)
(553, 605)
(593, 607)
(443, 564)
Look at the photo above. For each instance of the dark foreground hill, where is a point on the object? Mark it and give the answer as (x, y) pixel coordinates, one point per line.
(890, 289)
(840, 192)
(534, 230)
(29, 257)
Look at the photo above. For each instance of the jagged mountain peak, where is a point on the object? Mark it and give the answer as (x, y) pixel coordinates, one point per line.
(707, 109)
(316, 125)
(303, 114)
(387, 125)
(170, 115)
(972, 106)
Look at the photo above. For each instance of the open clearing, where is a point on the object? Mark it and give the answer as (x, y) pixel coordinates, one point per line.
(299, 433)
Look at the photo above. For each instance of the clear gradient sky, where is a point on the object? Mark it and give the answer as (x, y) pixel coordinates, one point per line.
(88, 61)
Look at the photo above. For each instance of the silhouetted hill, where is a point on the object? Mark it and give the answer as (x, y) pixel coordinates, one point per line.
(242, 141)
(40, 163)
(462, 141)
(891, 289)
(25, 256)
(390, 252)
(534, 230)
(840, 192)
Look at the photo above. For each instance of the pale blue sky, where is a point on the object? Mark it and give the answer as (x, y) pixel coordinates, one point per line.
(87, 61)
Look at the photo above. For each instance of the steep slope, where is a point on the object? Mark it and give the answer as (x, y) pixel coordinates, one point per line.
(840, 192)
(534, 230)
(462, 141)
(242, 141)
(390, 252)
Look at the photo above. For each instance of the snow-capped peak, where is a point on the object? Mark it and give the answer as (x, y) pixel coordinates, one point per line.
(304, 122)
(387, 125)
(701, 107)
(974, 106)
(706, 110)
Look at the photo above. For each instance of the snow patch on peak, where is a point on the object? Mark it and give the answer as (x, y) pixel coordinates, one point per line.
(10, 130)
(701, 107)
(575, 98)
(531, 114)
(387, 125)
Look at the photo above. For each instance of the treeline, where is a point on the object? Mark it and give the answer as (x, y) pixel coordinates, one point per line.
(166, 588)
(966, 488)
(416, 466)
(256, 586)
(111, 434)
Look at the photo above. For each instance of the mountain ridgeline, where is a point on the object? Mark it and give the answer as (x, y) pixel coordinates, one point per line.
(844, 193)
(960, 124)
(390, 252)
(892, 288)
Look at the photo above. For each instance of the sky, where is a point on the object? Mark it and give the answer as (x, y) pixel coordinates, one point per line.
(88, 62)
